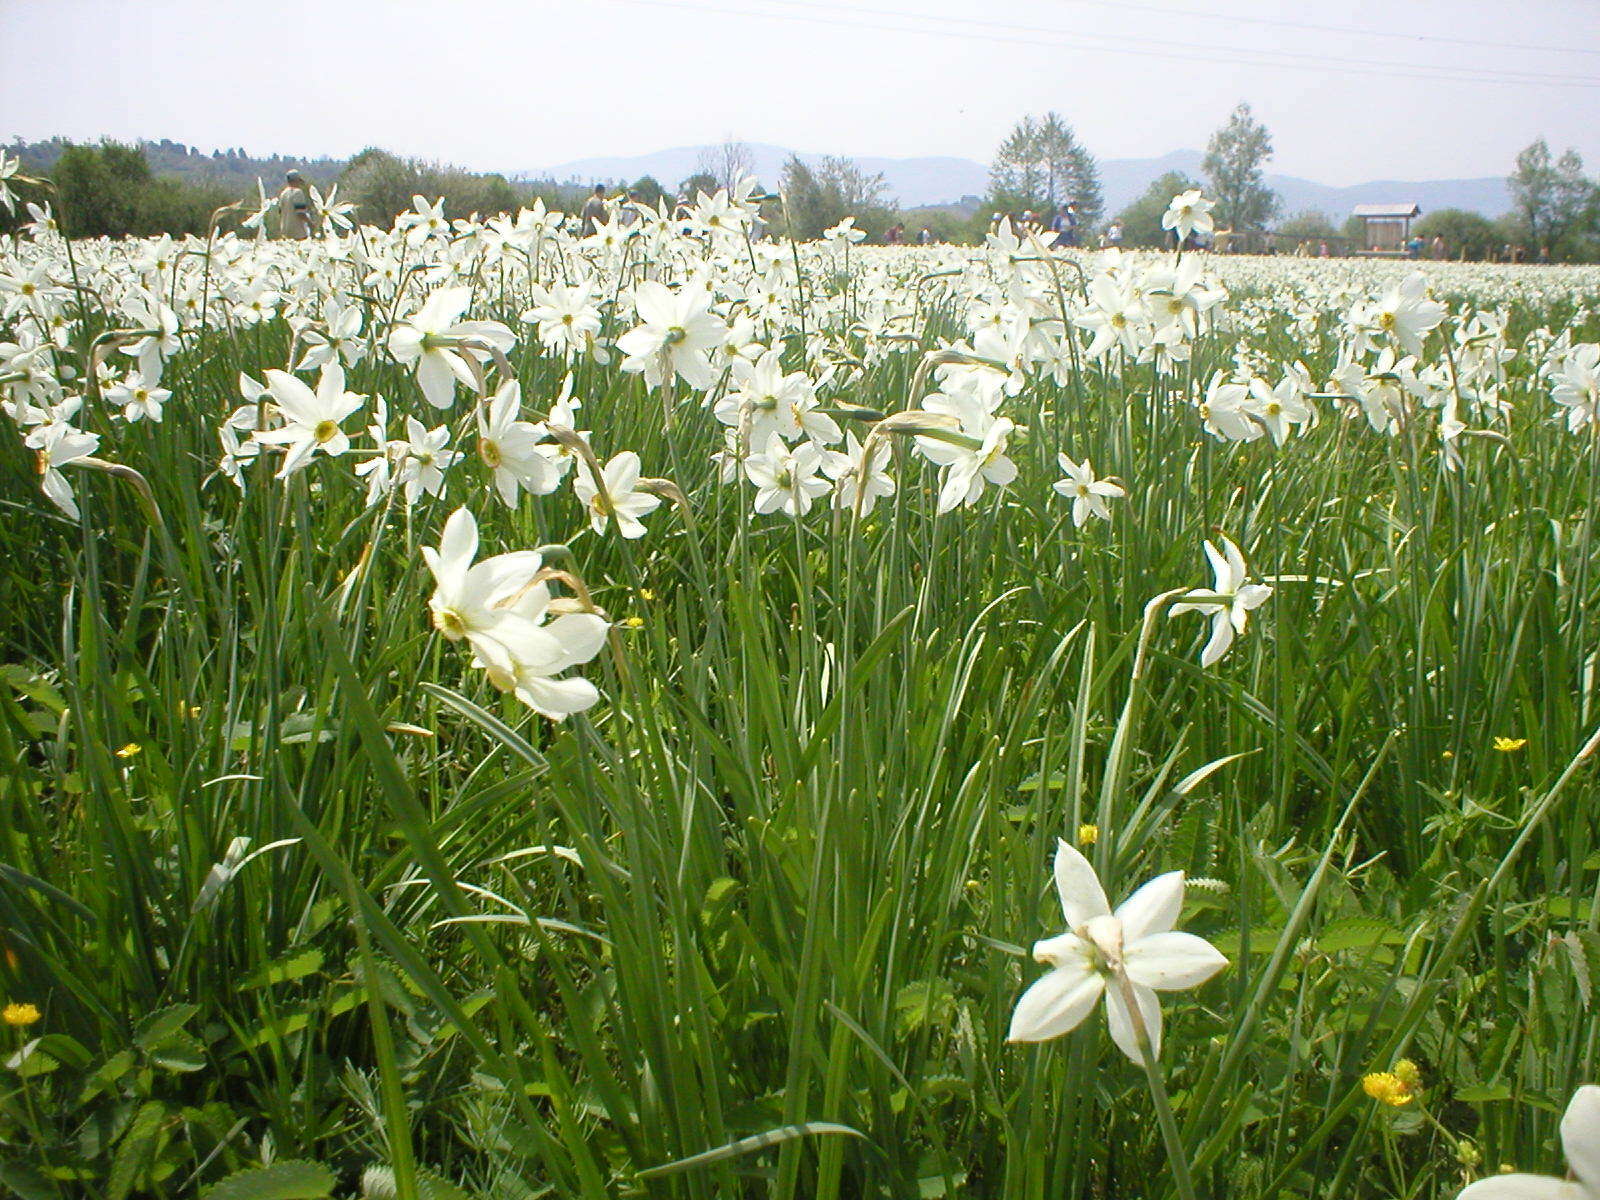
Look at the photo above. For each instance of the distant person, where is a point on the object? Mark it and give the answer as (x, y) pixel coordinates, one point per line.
(1065, 225)
(295, 217)
(1439, 250)
(1029, 224)
(595, 210)
(1114, 235)
(925, 237)
(896, 234)
(630, 210)
(1544, 253)
(1323, 251)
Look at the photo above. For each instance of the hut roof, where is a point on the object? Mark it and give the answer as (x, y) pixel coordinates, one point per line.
(1392, 211)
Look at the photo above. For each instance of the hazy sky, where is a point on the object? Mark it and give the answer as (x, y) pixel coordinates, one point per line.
(523, 84)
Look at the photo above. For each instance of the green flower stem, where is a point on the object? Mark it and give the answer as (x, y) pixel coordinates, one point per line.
(1176, 1154)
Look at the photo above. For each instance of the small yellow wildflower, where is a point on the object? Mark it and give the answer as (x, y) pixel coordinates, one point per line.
(129, 750)
(633, 622)
(1088, 835)
(1448, 754)
(647, 594)
(1396, 1088)
(1509, 745)
(19, 1016)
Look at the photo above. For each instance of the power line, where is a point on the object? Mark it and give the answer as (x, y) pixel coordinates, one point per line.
(1184, 52)
(1276, 57)
(1354, 30)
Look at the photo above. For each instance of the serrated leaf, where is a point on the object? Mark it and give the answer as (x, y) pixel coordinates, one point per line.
(290, 1179)
(1357, 933)
(1583, 953)
(436, 1187)
(162, 1024)
(180, 1052)
(134, 1150)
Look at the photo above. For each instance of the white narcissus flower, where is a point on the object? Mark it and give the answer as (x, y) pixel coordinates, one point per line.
(786, 480)
(425, 458)
(1188, 212)
(8, 170)
(1406, 314)
(538, 654)
(844, 231)
(617, 496)
(1225, 410)
(677, 330)
(139, 398)
(1580, 1139)
(969, 468)
(1279, 409)
(435, 338)
(568, 316)
(313, 420)
(1228, 603)
(1577, 386)
(513, 449)
(62, 445)
(1089, 495)
(482, 602)
(499, 607)
(1134, 950)
(858, 473)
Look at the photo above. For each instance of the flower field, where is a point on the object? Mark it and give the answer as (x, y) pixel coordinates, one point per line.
(501, 712)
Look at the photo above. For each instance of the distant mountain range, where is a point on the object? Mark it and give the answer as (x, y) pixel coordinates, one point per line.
(917, 182)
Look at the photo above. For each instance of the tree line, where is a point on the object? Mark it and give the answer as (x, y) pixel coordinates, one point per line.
(113, 189)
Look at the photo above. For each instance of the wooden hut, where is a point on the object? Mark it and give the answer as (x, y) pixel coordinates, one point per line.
(1386, 227)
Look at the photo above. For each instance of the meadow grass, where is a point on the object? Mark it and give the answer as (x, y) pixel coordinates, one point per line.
(755, 924)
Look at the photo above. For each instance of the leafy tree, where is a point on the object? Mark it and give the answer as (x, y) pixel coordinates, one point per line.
(1141, 220)
(1466, 234)
(1534, 189)
(648, 189)
(1553, 199)
(700, 181)
(1308, 225)
(816, 198)
(382, 186)
(1233, 162)
(108, 191)
(1041, 165)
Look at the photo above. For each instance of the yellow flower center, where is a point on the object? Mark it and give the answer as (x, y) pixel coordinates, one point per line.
(325, 431)
(448, 622)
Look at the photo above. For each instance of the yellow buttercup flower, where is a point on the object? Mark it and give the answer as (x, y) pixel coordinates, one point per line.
(633, 622)
(128, 751)
(1508, 745)
(19, 1016)
(1396, 1088)
(1088, 835)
